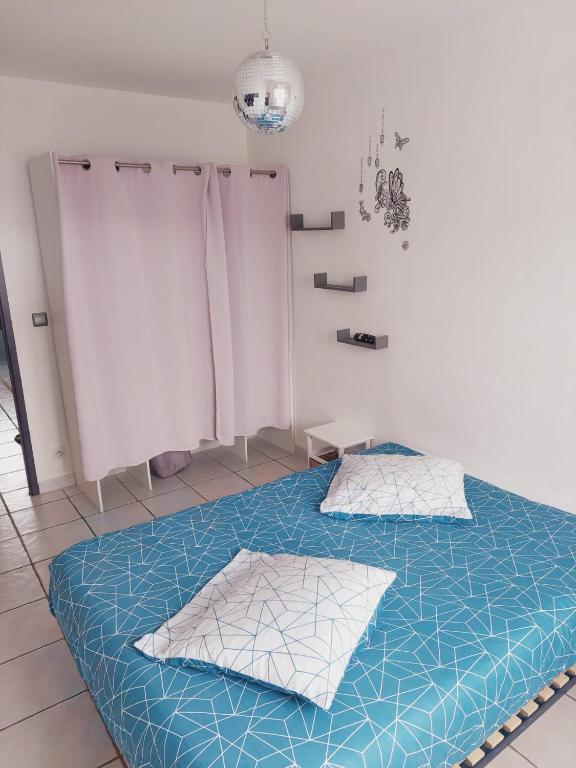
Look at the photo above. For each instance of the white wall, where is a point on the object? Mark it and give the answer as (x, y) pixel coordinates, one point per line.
(481, 310)
(38, 117)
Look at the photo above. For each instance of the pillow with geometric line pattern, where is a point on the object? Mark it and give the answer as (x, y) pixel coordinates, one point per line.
(396, 487)
(289, 622)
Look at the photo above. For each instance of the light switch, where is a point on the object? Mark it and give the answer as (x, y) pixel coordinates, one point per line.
(39, 319)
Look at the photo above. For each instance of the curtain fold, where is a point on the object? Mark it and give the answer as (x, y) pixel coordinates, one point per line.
(255, 219)
(176, 303)
(219, 301)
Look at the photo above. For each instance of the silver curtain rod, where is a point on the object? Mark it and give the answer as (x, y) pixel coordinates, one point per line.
(146, 167)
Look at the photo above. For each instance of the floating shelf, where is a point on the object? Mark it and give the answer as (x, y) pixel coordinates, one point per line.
(360, 283)
(337, 221)
(344, 337)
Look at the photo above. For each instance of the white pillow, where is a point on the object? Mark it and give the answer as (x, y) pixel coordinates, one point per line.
(285, 621)
(396, 487)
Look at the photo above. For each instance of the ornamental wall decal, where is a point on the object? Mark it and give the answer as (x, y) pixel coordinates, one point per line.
(391, 198)
(389, 195)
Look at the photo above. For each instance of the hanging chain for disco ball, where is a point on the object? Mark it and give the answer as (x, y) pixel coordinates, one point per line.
(267, 89)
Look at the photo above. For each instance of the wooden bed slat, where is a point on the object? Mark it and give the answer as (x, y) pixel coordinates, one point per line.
(515, 725)
(511, 724)
(545, 694)
(474, 758)
(560, 681)
(528, 709)
(493, 740)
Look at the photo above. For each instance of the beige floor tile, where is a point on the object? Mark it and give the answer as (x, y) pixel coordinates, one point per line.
(297, 462)
(27, 628)
(7, 436)
(10, 449)
(572, 693)
(183, 498)
(222, 486)
(69, 735)
(21, 499)
(72, 490)
(159, 485)
(11, 464)
(19, 587)
(12, 555)
(45, 516)
(42, 568)
(272, 451)
(7, 425)
(114, 495)
(549, 742)
(202, 468)
(265, 473)
(233, 462)
(13, 480)
(36, 681)
(117, 519)
(50, 542)
(508, 758)
(7, 530)
(109, 480)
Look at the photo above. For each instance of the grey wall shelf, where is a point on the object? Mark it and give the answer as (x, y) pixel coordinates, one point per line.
(337, 221)
(344, 337)
(359, 283)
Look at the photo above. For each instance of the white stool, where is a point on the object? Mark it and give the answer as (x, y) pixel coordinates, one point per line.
(338, 435)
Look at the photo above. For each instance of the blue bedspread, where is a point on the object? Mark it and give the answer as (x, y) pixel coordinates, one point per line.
(479, 617)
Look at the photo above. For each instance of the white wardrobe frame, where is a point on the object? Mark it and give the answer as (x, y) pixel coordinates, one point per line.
(43, 181)
(42, 172)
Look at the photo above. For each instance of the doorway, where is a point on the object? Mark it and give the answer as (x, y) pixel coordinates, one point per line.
(16, 455)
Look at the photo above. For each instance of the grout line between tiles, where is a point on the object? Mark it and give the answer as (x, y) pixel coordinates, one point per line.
(28, 602)
(45, 709)
(49, 527)
(27, 653)
(97, 512)
(154, 496)
(21, 540)
(15, 607)
(511, 746)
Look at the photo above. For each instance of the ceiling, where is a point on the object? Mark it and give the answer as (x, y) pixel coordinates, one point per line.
(190, 48)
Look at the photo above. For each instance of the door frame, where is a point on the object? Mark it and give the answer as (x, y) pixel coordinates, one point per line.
(16, 382)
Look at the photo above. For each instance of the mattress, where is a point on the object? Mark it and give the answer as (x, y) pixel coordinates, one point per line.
(479, 618)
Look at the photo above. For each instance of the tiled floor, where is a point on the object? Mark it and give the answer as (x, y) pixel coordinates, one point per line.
(47, 718)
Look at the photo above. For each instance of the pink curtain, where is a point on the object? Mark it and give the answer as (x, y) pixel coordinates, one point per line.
(147, 310)
(255, 218)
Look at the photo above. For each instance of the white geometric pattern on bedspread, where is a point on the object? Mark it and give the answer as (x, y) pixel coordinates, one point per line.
(286, 621)
(399, 486)
(479, 618)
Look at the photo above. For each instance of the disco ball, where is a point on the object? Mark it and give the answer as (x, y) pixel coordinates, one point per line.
(268, 92)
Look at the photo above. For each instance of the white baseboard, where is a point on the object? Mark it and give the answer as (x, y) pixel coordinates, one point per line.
(56, 483)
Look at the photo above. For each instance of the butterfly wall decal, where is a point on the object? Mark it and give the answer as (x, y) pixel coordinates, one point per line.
(399, 143)
(391, 198)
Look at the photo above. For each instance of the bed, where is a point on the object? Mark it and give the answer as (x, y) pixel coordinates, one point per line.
(479, 618)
